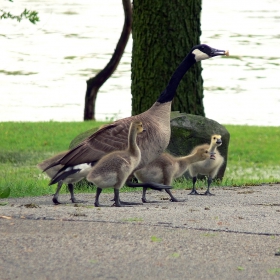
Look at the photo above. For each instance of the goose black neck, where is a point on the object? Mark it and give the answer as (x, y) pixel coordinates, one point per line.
(170, 91)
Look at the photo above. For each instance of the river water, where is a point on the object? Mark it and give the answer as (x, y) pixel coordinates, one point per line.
(44, 67)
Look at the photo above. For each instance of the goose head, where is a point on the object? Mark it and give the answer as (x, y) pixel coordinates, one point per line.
(216, 141)
(201, 52)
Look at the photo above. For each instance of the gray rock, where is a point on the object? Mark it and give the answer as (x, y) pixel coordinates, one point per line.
(188, 131)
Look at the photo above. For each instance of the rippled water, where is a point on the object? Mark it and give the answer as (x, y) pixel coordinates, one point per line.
(44, 67)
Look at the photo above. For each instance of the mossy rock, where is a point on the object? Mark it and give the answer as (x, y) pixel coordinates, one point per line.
(188, 131)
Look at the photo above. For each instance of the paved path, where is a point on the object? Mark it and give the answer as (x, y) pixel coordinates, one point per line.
(232, 235)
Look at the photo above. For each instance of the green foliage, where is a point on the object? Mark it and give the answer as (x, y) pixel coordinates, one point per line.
(240, 268)
(175, 255)
(4, 193)
(32, 16)
(274, 271)
(155, 239)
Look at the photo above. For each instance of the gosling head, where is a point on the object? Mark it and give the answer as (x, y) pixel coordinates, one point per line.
(202, 153)
(138, 126)
(203, 51)
(216, 141)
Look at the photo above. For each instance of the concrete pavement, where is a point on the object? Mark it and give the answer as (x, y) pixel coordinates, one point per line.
(232, 235)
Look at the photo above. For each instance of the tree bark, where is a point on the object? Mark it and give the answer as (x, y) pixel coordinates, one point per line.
(93, 84)
(163, 33)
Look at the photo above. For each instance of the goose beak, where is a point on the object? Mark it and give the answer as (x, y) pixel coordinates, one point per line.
(212, 156)
(215, 52)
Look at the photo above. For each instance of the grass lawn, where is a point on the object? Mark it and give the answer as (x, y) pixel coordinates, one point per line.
(253, 157)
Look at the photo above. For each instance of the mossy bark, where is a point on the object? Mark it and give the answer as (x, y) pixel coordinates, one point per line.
(163, 33)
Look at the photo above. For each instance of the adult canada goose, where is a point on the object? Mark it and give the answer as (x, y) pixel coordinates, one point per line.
(209, 166)
(156, 119)
(166, 168)
(113, 169)
(82, 171)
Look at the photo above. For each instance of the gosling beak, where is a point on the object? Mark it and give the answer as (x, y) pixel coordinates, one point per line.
(215, 52)
(212, 156)
(219, 142)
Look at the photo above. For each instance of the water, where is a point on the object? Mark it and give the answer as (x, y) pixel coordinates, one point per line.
(44, 67)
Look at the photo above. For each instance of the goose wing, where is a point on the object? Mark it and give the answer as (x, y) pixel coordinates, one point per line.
(107, 139)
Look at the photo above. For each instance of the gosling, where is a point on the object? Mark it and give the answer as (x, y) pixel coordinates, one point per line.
(209, 166)
(166, 168)
(113, 169)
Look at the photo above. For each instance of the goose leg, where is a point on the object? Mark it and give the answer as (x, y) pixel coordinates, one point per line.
(73, 198)
(209, 183)
(173, 198)
(144, 199)
(55, 196)
(98, 192)
(194, 192)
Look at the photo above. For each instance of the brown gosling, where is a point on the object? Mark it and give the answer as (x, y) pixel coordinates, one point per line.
(208, 167)
(113, 169)
(75, 174)
(166, 168)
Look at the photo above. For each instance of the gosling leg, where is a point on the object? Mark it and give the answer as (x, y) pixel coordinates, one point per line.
(73, 198)
(117, 198)
(55, 196)
(194, 192)
(98, 192)
(123, 203)
(209, 183)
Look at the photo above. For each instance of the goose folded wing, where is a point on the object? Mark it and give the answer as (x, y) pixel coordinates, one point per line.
(109, 138)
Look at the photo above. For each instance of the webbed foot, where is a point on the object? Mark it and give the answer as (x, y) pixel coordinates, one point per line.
(193, 192)
(207, 193)
(77, 201)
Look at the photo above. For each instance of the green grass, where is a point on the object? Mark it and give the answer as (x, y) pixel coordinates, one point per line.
(24, 144)
(253, 155)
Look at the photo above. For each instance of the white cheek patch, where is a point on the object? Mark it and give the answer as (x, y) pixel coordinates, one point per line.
(199, 55)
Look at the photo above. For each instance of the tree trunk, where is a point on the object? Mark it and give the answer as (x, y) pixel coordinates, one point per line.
(163, 33)
(93, 84)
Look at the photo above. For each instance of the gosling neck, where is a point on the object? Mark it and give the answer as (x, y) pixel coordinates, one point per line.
(185, 161)
(132, 145)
